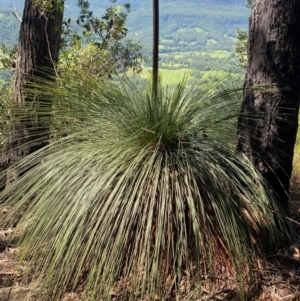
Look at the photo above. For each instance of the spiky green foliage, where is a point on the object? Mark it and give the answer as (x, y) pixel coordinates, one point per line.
(241, 48)
(136, 196)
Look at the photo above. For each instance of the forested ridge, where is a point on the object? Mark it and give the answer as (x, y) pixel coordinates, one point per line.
(189, 23)
(190, 27)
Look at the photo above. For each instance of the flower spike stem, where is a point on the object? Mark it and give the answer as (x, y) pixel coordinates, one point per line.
(155, 49)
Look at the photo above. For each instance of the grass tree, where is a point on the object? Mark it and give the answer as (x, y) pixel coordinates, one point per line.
(139, 193)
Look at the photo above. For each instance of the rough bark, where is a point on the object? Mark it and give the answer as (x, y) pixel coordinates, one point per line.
(268, 124)
(37, 53)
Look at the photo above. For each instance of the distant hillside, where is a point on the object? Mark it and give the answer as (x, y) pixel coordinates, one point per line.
(190, 25)
(185, 25)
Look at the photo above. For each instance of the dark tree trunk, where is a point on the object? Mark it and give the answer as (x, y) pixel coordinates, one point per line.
(268, 124)
(37, 53)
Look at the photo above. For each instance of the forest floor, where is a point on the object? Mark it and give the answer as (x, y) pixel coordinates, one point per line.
(277, 280)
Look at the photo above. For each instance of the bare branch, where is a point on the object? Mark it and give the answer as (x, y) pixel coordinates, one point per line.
(16, 16)
(14, 10)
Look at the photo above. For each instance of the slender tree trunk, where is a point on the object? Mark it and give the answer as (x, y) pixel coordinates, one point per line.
(268, 124)
(38, 51)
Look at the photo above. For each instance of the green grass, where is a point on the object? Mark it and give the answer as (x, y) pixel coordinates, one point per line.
(234, 40)
(175, 76)
(178, 56)
(217, 53)
(196, 29)
(183, 59)
(199, 30)
(170, 76)
(211, 42)
(183, 55)
(215, 74)
(166, 41)
(187, 43)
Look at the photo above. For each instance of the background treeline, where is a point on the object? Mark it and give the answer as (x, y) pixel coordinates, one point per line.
(197, 29)
(9, 27)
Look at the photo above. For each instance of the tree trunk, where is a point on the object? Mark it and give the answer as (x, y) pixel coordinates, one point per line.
(38, 51)
(268, 123)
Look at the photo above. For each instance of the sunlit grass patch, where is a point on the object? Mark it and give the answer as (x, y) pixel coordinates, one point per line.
(211, 42)
(166, 41)
(169, 77)
(217, 53)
